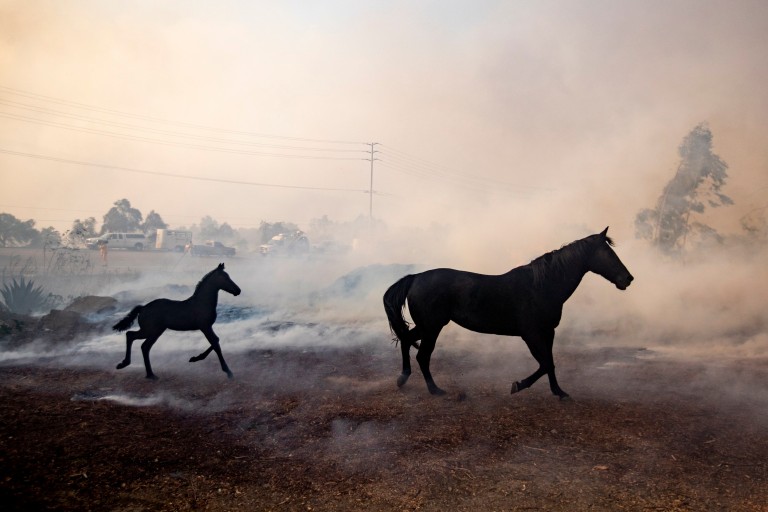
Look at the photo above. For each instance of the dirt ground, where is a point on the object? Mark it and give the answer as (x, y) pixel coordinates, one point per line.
(327, 429)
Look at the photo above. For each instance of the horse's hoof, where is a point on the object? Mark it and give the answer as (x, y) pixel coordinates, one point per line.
(402, 379)
(121, 365)
(515, 388)
(193, 359)
(152, 377)
(230, 375)
(436, 391)
(565, 397)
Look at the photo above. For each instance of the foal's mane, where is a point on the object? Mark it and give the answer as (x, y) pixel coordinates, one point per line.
(205, 277)
(556, 261)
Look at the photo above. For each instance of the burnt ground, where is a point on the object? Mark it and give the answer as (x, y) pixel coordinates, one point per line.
(329, 430)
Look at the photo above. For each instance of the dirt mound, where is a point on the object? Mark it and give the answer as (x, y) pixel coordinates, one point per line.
(92, 305)
(83, 316)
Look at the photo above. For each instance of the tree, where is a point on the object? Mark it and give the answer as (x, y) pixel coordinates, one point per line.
(80, 230)
(210, 229)
(700, 176)
(122, 218)
(153, 222)
(14, 232)
(47, 238)
(755, 223)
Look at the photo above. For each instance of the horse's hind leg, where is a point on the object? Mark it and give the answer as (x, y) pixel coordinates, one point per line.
(130, 336)
(428, 343)
(214, 341)
(145, 348)
(405, 349)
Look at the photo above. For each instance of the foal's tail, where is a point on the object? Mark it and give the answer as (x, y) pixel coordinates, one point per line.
(126, 322)
(394, 302)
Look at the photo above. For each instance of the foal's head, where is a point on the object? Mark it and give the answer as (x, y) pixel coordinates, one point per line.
(218, 279)
(606, 263)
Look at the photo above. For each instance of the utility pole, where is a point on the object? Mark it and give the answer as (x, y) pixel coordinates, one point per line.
(370, 191)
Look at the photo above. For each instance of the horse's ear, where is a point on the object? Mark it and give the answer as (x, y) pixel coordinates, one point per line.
(604, 233)
(221, 266)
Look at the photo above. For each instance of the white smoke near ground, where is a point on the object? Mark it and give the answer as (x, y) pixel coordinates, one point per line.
(708, 308)
(708, 305)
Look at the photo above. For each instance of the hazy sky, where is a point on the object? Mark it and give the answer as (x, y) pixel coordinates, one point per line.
(545, 112)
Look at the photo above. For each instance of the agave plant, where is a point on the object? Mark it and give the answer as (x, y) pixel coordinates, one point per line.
(23, 297)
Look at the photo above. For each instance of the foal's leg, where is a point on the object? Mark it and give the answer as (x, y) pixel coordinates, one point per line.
(202, 355)
(145, 348)
(428, 342)
(214, 341)
(130, 336)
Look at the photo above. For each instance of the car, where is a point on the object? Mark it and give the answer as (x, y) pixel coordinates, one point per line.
(211, 248)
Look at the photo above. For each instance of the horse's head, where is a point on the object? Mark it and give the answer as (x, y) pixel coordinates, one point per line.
(224, 282)
(606, 263)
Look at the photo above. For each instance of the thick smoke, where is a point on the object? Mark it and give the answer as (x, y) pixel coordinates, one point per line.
(578, 108)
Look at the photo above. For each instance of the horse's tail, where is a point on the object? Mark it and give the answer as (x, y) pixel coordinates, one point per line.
(394, 302)
(126, 322)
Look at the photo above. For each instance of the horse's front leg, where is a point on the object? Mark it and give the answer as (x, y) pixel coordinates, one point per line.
(130, 336)
(214, 341)
(540, 345)
(202, 355)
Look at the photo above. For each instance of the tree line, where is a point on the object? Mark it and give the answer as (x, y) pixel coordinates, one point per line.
(122, 217)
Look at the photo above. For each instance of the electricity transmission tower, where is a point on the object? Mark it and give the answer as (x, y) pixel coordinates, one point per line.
(371, 159)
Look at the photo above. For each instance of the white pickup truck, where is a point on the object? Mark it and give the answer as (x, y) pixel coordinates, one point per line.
(133, 241)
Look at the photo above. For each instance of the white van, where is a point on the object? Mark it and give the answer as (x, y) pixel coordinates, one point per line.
(133, 241)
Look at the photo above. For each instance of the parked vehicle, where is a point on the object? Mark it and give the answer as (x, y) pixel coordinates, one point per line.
(172, 240)
(286, 243)
(133, 241)
(211, 248)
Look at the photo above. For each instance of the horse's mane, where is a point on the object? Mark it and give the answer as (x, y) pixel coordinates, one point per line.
(206, 276)
(558, 260)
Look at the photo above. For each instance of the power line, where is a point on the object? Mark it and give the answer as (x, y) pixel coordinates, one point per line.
(389, 157)
(169, 143)
(59, 113)
(93, 108)
(177, 176)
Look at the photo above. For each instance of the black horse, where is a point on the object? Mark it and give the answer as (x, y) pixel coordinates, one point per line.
(527, 301)
(195, 313)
